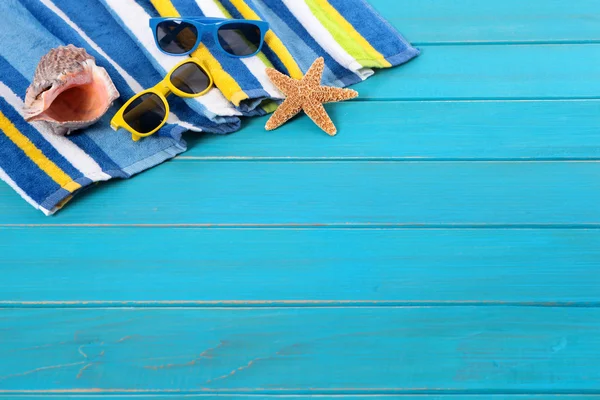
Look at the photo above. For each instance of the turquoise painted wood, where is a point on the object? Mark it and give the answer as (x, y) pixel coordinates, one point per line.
(366, 267)
(458, 72)
(418, 194)
(415, 130)
(501, 22)
(445, 245)
(306, 397)
(307, 350)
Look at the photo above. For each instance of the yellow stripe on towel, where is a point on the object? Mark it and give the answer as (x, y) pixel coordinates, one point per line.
(356, 45)
(36, 155)
(230, 88)
(272, 41)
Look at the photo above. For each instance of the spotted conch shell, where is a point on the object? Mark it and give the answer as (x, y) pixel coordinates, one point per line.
(69, 91)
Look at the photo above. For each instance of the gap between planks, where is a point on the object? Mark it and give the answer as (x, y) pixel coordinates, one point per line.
(385, 159)
(394, 160)
(283, 304)
(336, 226)
(419, 396)
(507, 42)
(314, 392)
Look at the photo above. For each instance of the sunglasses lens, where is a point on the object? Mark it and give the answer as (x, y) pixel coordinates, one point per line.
(190, 78)
(176, 37)
(145, 113)
(240, 39)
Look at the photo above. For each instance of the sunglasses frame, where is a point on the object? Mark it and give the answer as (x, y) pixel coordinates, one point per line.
(210, 25)
(162, 89)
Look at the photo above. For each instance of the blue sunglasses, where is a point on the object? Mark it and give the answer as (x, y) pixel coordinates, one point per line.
(235, 37)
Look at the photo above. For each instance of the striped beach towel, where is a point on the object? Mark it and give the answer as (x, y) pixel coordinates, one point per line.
(47, 170)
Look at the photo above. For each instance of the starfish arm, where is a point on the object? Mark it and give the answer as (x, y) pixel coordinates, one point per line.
(315, 73)
(284, 113)
(283, 82)
(317, 113)
(327, 94)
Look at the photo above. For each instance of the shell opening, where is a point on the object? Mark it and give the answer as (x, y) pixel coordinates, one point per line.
(78, 103)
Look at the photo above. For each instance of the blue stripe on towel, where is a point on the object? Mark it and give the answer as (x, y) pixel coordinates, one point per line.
(123, 151)
(38, 140)
(13, 78)
(30, 35)
(55, 199)
(24, 172)
(90, 147)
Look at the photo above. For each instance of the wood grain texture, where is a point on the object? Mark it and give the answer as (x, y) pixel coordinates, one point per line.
(493, 349)
(411, 130)
(311, 267)
(509, 21)
(490, 72)
(342, 193)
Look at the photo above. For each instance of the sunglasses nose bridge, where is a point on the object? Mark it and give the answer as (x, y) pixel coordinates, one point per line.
(163, 87)
(204, 33)
(201, 27)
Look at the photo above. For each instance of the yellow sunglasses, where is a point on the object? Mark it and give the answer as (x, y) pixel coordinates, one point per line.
(146, 112)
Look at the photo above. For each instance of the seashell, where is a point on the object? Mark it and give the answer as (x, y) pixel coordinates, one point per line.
(69, 91)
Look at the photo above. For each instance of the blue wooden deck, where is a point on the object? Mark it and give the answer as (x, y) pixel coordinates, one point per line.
(446, 243)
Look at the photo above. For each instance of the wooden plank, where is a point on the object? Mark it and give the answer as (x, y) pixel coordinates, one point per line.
(509, 21)
(265, 267)
(422, 130)
(491, 72)
(416, 194)
(483, 350)
(308, 397)
(170, 396)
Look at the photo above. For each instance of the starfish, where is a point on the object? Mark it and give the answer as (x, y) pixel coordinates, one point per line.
(306, 94)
